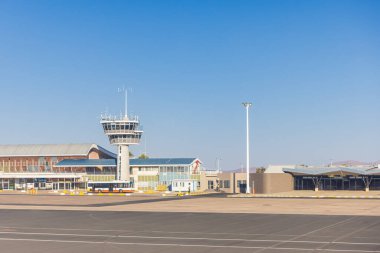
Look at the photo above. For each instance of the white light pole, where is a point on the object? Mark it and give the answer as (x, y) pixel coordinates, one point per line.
(218, 164)
(247, 105)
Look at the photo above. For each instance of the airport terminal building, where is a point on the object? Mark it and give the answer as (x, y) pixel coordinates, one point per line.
(364, 178)
(285, 178)
(71, 166)
(46, 166)
(173, 174)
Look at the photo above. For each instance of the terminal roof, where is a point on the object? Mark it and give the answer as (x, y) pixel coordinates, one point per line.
(162, 161)
(50, 150)
(133, 162)
(320, 171)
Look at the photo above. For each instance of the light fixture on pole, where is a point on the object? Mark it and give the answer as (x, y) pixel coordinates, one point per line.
(247, 105)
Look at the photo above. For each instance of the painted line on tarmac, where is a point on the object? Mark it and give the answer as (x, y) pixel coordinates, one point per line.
(189, 238)
(157, 231)
(185, 245)
(305, 197)
(145, 231)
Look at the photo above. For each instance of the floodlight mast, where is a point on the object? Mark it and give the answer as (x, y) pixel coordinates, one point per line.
(247, 105)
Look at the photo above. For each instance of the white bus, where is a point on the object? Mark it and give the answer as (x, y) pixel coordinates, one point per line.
(110, 186)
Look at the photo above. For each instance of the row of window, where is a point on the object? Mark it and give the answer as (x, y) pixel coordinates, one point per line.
(120, 126)
(306, 183)
(174, 169)
(181, 184)
(148, 169)
(125, 136)
(8, 163)
(172, 176)
(224, 184)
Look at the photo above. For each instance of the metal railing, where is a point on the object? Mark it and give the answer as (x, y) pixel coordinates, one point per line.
(107, 117)
(121, 131)
(124, 140)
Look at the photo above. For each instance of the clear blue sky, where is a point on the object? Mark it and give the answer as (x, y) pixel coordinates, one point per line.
(311, 68)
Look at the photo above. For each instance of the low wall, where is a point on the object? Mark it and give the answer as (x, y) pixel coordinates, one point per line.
(266, 183)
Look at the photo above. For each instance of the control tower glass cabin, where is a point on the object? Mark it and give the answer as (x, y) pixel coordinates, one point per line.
(122, 132)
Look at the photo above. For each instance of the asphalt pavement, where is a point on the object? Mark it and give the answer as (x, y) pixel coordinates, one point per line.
(85, 231)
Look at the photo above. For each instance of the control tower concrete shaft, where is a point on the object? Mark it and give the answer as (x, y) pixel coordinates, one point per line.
(122, 132)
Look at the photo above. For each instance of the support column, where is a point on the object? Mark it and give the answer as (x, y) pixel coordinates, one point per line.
(367, 181)
(122, 172)
(316, 182)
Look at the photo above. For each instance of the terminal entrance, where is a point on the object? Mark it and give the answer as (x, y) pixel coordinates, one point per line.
(326, 183)
(343, 183)
(7, 184)
(58, 186)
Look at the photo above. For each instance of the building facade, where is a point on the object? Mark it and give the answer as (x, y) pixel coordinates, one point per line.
(364, 178)
(45, 166)
(71, 166)
(262, 183)
(161, 173)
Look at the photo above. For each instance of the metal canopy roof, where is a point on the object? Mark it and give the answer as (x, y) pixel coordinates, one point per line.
(50, 150)
(87, 163)
(320, 171)
(161, 161)
(133, 162)
(374, 171)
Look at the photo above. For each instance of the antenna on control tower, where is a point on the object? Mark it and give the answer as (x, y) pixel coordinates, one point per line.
(125, 90)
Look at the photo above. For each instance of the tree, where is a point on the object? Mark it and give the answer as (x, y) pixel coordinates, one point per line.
(143, 156)
(260, 170)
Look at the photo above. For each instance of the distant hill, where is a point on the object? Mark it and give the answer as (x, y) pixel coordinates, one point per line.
(251, 170)
(354, 163)
(339, 163)
(350, 163)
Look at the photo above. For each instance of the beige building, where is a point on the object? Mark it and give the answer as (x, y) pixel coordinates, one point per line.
(231, 182)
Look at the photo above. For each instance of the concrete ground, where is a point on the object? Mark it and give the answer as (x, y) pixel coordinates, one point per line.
(113, 232)
(58, 200)
(321, 194)
(213, 203)
(206, 223)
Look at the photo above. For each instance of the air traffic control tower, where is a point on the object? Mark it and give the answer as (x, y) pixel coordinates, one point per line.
(122, 131)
